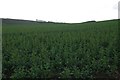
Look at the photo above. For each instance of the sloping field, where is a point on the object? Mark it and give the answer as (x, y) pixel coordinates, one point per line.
(60, 50)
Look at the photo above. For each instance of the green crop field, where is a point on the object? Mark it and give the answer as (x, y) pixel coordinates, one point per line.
(60, 50)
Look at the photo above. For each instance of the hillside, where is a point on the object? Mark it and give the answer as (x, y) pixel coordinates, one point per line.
(88, 50)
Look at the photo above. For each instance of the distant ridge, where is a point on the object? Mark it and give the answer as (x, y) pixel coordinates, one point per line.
(8, 20)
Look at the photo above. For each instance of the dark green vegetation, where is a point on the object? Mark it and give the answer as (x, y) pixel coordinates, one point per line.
(54, 50)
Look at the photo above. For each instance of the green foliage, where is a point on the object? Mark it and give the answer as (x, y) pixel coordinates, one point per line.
(47, 50)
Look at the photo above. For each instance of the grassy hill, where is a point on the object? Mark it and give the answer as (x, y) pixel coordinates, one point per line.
(60, 50)
(13, 25)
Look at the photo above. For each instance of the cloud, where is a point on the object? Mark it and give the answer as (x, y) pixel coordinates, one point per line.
(119, 9)
(115, 7)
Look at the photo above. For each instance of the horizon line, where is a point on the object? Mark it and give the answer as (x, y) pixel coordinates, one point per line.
(59, 22)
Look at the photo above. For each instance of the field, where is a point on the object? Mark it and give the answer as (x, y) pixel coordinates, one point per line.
(60, 50)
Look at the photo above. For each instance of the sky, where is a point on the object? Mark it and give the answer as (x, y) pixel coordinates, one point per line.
(69, 11)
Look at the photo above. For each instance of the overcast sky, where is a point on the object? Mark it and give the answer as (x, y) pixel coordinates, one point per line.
(70, 11)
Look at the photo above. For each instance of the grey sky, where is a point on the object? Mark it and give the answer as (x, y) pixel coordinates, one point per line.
(60, 10)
